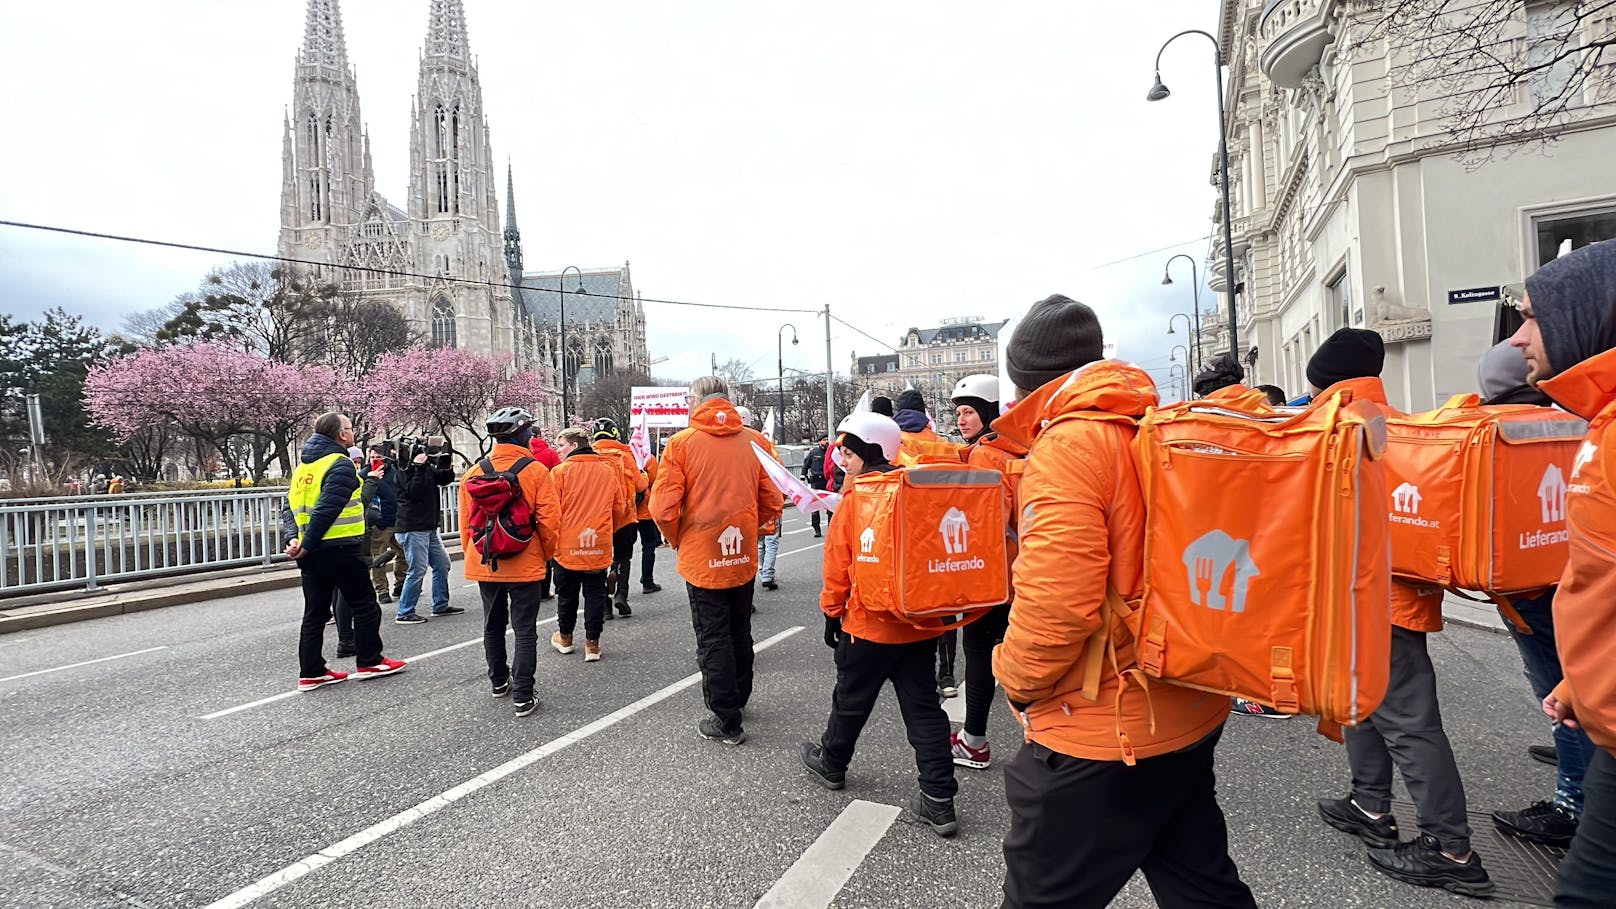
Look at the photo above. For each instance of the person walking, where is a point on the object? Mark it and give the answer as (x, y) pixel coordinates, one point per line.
(606, 442)
(509, 587)
(384, 546)
(1568, 341)
(814, 474)
(1085, 811)
(711, 501)
(768, 544)
(650, 537)
(544, 454)
(593, 501)
(324, 525)
(417, 532)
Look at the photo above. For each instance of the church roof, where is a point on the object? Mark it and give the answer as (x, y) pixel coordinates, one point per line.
(598, 303)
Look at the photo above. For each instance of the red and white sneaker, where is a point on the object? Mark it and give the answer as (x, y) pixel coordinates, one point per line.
(385, 667)
(966, 756)
(331, 677)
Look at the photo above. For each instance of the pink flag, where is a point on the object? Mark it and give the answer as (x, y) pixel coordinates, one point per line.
(639, 442)
(807, 500)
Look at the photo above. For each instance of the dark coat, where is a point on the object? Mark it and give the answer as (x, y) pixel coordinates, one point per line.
(418, 504)
(336, 489)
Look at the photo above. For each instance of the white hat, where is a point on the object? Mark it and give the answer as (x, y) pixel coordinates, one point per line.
(746, 414)
(978, 386)
(356, 452)
(875, 429)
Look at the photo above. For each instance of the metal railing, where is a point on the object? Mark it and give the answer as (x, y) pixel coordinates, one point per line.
(82, 542)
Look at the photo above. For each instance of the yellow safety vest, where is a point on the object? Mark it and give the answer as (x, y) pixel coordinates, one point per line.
(305, 491)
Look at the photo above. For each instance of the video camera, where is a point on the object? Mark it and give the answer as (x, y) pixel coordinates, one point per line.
(407, 448)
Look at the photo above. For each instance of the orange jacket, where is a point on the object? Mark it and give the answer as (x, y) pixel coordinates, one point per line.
(540, 492)
(642, 509)
(634, 481)
(1585, 606)
(911, 445)
(994, 452)
(1082, 531)
(711, 498)
(1416, 607)
(837, 599)
(593, 504)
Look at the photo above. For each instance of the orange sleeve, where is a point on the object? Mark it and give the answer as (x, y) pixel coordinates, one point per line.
(622, 509)
(1585, 607)
(465, 513)
(838, 563)
(546, 502)
(667, 499)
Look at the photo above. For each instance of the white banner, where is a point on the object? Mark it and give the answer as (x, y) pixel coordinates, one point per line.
(661, 408)
(807, 500)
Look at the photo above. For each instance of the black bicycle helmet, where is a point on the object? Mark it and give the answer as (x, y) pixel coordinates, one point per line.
(508, 421)
(604, 428)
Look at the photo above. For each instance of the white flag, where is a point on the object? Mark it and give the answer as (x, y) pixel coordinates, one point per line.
(863, 405)
(807, 500)
(639, 442)
(768, 425)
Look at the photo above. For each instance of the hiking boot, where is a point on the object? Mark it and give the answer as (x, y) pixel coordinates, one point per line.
(561, 642)
(346, 650)
(966, 756)
(650, 588)
(947, 687)
(449, 610)
(1544, 754)
(1243, 707)
(813, 758)
(502, 689)
(523, 708)
(713, 728)
(1420, 862)
(385, 667)
(410, 618)
(1346, 816)
(770, 585)
(624, 610)
(938, 814)
(329, 677)
(1543, 822)
(591, 651)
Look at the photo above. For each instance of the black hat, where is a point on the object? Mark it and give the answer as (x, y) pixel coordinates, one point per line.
(882, 405)
(868, 452)
(1220, 373)
(1055, 337)
(1351, 353)
(910, 399)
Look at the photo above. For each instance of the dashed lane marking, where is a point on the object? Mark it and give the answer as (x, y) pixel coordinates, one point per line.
(803, 549)
(819, 874)
(13, 678)
(371, 834)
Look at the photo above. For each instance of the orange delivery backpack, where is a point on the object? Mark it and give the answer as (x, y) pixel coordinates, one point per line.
(1478, 495)
(1267, 572)
(930, 544)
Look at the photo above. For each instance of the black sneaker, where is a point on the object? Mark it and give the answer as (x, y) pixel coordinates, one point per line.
(1544, 754)
(610, 614)
(398, 591)
(502, 689)
(1543, 822)
(650, 588)
(346, 650)
(523, 708)
(813, 758)
(1346, 816)
(938, 814)
(449, 610)
(770, 585)
(382, 597)
(1420, 862)
(947, 687)
(410, 618)
(712, 728)
(624, 610)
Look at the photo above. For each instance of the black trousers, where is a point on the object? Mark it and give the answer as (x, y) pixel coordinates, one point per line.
(947, 648)
(650, 539)
(981, 636)
(1588, 874)
(592, 585)
(723, 623)
(623, 557)
(863, 668)
(325, 571)
(1079, 829)
(549, 577)
(515, 605)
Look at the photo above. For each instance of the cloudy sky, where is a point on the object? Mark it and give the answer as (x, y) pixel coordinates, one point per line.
(903, 161)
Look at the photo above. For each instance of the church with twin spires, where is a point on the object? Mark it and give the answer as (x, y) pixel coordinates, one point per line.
(442, 260)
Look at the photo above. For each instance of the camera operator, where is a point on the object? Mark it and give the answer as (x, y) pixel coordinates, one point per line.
(419, 478)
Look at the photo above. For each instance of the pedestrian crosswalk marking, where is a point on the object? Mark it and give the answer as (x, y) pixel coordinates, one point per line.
(819, 874)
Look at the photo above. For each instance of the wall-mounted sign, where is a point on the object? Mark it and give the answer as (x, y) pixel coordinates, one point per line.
(1476, 295)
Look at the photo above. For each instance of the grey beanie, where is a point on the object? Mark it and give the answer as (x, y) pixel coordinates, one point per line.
(1055, 337)
(1574, 301)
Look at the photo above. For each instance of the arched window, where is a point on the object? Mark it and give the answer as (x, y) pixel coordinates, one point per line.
(575, 360)
(443, 323)
(603, 357)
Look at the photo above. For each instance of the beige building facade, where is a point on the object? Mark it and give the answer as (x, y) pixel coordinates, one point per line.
(933, 360)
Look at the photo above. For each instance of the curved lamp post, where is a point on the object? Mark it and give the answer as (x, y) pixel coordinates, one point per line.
(561, 285)
(1195, 282)
(780, 361)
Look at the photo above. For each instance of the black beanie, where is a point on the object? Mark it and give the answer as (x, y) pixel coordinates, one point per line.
(1351, 353)
(882, 405)
(986, 410)
(910, 399)
(1574, 301)
(1055, 337)
(1221, 373)
(868, 452)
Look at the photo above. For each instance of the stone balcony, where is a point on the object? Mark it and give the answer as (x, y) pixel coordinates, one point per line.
(1294, 34)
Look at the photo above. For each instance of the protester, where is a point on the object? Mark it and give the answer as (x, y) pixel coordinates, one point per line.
(384, 546)
(815, 474)
(1082, 820)
(607, 443)
(711, 501)
(768, 544)
(589, 485)
(1406, 730)
(650, 537)
(1224, 372)
(1501, 375)
(874, 648)
(509, 585)
(370, 484)
(1276, 395)
(417, 532)
(324, 526)
(1567, 341)
(543, 453)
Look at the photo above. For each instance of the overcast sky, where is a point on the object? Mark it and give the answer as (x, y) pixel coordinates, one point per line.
(903, 161)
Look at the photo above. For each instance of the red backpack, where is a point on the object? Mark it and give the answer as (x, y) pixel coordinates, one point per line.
(501, 519)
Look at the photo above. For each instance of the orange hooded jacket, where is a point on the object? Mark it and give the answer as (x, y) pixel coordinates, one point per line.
(711, 498)
(1082, 531)
(634, 482)
(540, 492)
(589, 486)
(1585, 605)
(839, 601)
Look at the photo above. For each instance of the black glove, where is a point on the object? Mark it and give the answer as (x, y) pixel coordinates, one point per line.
(833, 631)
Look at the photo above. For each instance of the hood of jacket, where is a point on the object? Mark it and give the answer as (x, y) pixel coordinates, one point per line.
(912, 420)
(1104, 386)
(716, 417)
(1574, 302)
(612, 445)
(319, 446)
(1587, 388)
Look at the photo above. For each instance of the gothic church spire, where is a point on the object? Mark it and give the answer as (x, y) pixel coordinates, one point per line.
(323, 43)
(513, 237)
(446, 32)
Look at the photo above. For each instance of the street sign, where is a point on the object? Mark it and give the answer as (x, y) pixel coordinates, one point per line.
(1476, 295)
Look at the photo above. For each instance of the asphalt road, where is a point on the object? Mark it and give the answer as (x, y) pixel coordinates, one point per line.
(119, 789)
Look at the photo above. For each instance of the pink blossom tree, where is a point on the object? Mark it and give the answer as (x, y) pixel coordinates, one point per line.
(439, 390)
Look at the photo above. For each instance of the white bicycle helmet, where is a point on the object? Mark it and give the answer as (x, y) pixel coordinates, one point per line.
(875, 429)
(978, 386)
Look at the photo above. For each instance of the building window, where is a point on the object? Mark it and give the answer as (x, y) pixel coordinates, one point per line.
(443, 323)
(1552, 43)
(1338, 294)
(985, 356)
(936, 359)
(893, 366)
(1580, 229)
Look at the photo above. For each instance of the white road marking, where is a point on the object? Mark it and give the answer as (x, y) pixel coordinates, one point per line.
(813, 881)
(795, 551)
(13, 678)
(371, 834)
(798, 530)
(286, 694)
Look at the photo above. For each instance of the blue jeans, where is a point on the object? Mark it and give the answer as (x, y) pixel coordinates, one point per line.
(768, 551)
(424, 549)
(1542, 661)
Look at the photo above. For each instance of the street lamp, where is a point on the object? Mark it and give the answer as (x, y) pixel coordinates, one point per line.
(1195, 282)
(1159, 91)
(1176, 375)
(1172, 354)
(561, 284)
(780, 361)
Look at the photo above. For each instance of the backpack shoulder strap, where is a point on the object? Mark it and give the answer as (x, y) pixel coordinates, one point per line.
(487, 464)
(520, 465)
